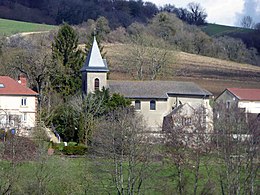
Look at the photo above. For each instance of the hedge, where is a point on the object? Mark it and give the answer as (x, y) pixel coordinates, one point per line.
(75, 150)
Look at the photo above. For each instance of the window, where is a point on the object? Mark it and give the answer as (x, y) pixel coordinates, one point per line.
(137, 104)
(96, 84)
(152, 105)
(23, 102)
(186, 121)
(24, 117)
(228, 104)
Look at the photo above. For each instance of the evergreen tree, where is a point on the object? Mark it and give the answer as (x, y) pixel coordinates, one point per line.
(68, 59)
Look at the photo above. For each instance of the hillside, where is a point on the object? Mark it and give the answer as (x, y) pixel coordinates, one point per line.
(250, 37)
(9, 27)
(213, 74)
(218, 30)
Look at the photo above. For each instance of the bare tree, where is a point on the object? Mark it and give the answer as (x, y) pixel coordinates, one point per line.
(187, 139)
(257, 26)
(147, 59)
(35, 62)
(197, 14)
(122, 150)
(237, 138)
(247, 22)
(14, 150)
(42, 173)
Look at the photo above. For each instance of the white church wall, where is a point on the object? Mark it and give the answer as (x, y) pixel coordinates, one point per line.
(154, 118)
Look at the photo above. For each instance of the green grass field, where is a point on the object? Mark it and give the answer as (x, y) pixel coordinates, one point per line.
(217, 30)
(10, 27)
(64, 175)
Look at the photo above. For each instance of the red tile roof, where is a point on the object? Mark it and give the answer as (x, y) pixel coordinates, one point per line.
(9, 86)
(246, 94)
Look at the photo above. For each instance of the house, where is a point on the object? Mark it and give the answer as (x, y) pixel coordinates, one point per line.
(191, 126)
(187, 117)
(18, 104)
(153, 99)
(247, 99)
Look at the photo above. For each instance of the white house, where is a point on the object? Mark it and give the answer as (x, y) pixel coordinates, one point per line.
(18, 104)
(248, 99)
(153, 99)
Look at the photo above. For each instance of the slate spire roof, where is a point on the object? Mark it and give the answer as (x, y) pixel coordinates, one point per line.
(94, 62)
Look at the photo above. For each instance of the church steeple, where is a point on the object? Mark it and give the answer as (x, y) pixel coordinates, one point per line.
(94, 62)
(94, 71)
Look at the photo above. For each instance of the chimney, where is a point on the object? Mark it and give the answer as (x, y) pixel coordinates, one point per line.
(22, 80)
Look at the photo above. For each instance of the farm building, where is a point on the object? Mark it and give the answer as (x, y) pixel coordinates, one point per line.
(247, 99)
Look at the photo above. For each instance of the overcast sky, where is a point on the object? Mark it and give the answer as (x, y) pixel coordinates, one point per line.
(227, 12)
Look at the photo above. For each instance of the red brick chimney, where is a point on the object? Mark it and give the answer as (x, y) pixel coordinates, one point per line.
(22, 80)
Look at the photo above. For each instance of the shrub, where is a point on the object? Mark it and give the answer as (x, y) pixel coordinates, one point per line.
(23, 148)
(58, 146)
(2, 134)
(75, 150)
(72, 143)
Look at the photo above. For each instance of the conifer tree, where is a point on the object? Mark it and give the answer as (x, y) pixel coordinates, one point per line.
(68, 60)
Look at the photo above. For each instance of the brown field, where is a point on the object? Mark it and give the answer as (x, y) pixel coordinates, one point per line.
(213, 74)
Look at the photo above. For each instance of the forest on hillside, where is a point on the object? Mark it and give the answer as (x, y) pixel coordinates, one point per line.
(119, 13)
(179, 31)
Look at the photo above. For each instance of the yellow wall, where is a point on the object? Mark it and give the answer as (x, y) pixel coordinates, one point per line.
(154, 118)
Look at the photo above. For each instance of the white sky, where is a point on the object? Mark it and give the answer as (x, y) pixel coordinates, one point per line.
(219, 11)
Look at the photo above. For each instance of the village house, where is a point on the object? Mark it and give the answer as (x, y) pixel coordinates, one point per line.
(247, 99)
(153, 99)
(18, 105)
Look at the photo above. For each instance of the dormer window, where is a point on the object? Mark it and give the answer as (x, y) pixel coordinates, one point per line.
(2, 85)
(96, 84)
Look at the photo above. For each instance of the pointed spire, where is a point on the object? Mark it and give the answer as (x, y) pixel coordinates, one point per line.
(94, 60)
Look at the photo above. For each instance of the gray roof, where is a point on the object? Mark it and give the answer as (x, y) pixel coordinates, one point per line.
(94, 62)
(156, 89)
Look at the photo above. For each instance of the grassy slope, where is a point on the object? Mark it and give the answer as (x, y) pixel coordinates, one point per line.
(9, 27)
(217, 30)
(213, 74)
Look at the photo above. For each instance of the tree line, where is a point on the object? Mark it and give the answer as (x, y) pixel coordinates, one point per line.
(119, 13)
(166, 31)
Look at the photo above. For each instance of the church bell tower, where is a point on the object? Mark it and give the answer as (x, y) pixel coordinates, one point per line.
(94, 71)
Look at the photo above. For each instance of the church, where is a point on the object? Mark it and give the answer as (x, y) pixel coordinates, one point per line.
(155, 100)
